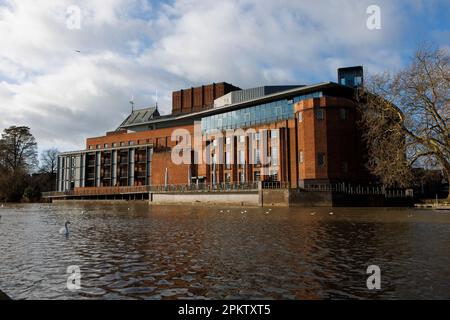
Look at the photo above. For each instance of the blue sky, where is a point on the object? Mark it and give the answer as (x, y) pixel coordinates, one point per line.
(136, 47)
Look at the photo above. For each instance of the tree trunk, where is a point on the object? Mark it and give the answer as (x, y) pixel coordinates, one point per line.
(446, 172)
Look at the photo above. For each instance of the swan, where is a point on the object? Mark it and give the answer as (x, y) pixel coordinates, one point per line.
(331, 213)
(312, 213)
(65, 229)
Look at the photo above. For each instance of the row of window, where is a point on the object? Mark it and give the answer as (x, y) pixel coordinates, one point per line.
(158, 141)
(259, 114)
(320, 114)
(256, 155)
(321, 160)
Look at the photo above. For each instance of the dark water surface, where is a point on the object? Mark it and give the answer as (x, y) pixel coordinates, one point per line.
(133, 251)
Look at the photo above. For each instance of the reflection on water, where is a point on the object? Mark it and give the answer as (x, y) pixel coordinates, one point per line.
(133, 251)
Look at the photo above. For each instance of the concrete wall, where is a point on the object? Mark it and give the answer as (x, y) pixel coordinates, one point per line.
(310, 199)
(277, 197)
(247, 199)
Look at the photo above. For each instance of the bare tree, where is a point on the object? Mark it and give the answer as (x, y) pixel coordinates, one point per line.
(49, 160)
(406, 118)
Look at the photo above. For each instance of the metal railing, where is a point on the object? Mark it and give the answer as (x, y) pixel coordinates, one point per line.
(342, 188)
(206, 187)
(201, 187)
(275, 185)
(360, 190)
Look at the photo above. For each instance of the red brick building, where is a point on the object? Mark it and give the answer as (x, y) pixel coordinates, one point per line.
(309, 134)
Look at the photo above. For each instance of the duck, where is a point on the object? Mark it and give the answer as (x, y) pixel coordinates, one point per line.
(65, 229)
(331, 213)
(313, 213)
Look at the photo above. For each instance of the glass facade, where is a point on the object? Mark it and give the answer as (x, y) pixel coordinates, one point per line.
(255, 115)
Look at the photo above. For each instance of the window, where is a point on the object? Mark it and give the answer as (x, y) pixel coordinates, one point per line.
(358, 81)
(241, 157)
(228, 160)
(273, 175)
(98, 146)
(130, 143)
(319, 114)
(256, 176)
(257, 157)
(300, 116)
(242, 139)
(321, 159)
(122, 143)
(274, 133)
(274, 156)
(228, 140)
(343, 113)
(278, 111)
(343, 81)
(105, 146)
(301, 156)
(91, 147)
(242, 177)
(247, 117)
(114, 144)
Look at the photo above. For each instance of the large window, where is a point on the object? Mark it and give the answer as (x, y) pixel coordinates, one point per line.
(274, 156)
(257, 157)
(259, 114)
(241, 157)
(228, 160)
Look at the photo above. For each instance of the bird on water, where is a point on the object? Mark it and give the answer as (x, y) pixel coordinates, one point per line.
(65, 230)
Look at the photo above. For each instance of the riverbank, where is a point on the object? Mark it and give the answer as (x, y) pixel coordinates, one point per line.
(434, 204)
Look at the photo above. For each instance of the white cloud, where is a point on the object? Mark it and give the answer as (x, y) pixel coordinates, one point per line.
(134, 47)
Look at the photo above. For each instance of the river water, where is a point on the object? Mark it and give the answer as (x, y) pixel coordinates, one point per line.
(133, 251)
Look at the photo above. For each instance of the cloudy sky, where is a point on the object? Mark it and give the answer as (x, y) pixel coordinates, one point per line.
(135, 47)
